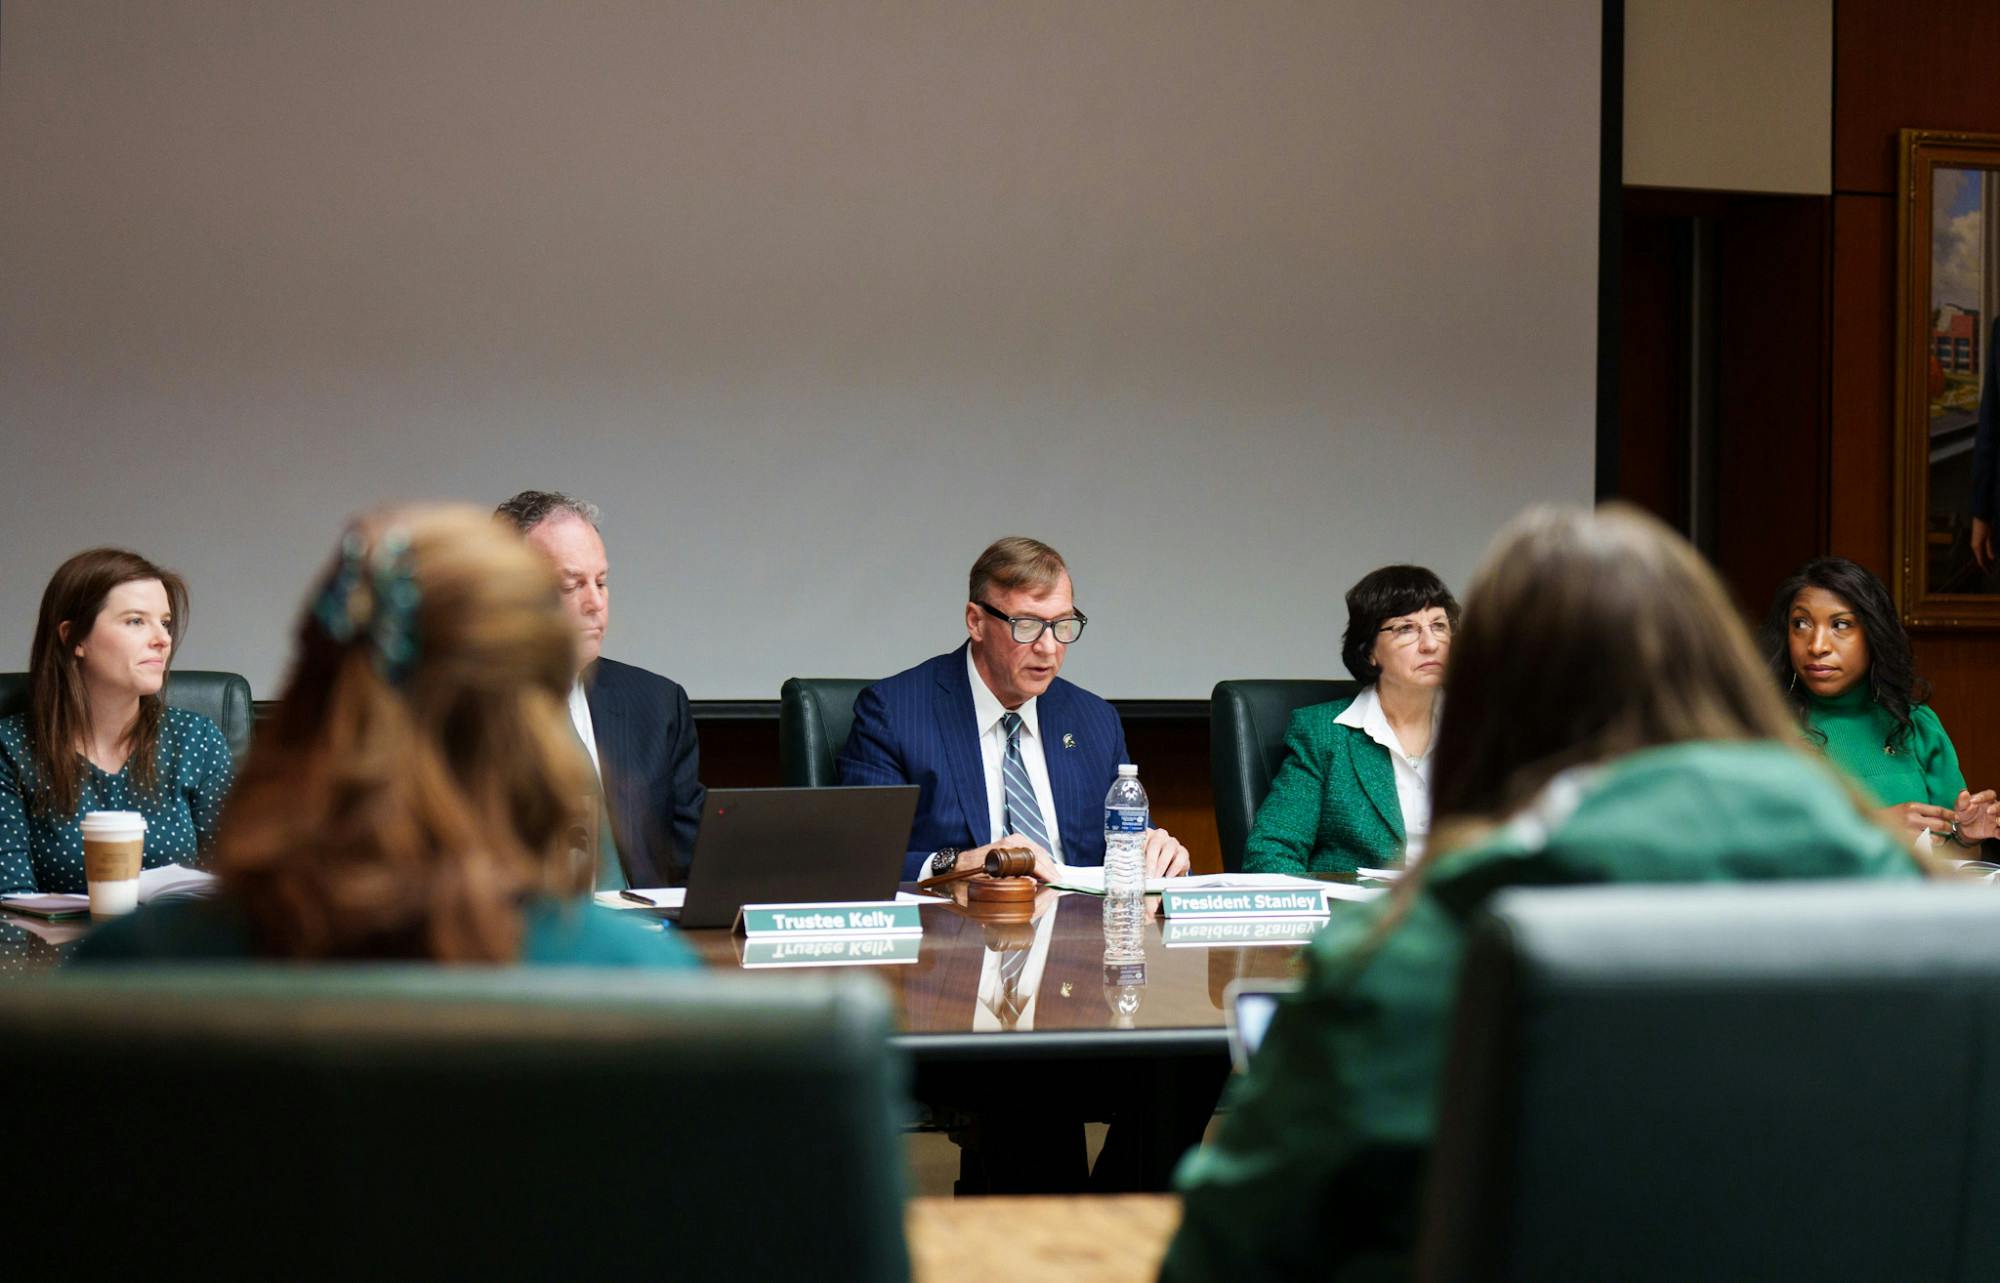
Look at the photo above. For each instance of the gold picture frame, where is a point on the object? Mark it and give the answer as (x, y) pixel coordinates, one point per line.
(1947, 429)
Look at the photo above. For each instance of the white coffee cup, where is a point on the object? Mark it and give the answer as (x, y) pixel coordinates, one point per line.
(114, 846)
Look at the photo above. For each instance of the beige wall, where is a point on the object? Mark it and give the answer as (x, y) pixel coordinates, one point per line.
(1230, 300)
(1734, 95)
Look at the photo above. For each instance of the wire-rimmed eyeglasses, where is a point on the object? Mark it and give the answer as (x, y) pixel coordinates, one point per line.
(1407, 632)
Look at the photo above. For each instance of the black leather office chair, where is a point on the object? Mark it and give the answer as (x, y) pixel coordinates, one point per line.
(1727, 1082)
(223, 698)
(364, 1122)
(1246, 745)
(814, 715)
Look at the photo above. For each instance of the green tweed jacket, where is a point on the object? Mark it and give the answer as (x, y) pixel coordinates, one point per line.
(1332, 806)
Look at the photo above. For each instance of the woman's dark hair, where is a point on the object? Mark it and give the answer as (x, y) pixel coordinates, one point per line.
(1382, 595)
(1892, 670)
(58, 701)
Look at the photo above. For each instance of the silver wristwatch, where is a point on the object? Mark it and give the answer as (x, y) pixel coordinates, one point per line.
(943, 861)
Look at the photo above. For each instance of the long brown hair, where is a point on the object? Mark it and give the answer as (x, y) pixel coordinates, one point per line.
(1588, 635)
(59, 700)
(420, 781)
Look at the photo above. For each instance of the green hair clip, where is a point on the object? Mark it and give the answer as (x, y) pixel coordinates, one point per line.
(376, 598)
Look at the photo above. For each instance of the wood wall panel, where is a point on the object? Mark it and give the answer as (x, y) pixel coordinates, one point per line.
(1770, 393)
(1172, 757)
(1961, 668)
(1862, 380)
(1898, 64)
(1652, 396)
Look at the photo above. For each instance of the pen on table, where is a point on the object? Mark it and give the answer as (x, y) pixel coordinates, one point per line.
(636, 898)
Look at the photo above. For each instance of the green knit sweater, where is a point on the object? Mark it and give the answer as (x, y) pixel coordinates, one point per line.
(1332, 807)
(1923, 768)
(1316, 1170)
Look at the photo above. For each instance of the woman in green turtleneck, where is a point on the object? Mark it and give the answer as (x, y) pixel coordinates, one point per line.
(1836, 645)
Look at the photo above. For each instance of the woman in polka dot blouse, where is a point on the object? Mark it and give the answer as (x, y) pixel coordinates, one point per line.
(97, 734)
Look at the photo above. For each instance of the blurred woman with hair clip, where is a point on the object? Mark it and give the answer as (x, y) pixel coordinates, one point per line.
(1354, 788)
(98, 735)
(1607, 720)
(419, 792)
(1834, 642)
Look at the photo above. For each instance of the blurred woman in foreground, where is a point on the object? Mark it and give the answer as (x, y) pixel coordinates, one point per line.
(1606, 720)
(418, 794)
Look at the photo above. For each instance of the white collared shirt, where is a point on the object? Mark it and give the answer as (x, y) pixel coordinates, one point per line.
(579, 716)
(986, 715)
(1413, 774)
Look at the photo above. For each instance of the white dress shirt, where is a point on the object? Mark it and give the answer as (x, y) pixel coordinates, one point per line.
(1413, 774)
(986, 715)
(586, 730)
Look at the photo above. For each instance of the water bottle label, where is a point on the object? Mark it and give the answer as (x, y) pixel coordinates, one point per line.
(1125, 819)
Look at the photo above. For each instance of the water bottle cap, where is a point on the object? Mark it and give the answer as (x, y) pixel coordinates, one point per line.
(1126, 768)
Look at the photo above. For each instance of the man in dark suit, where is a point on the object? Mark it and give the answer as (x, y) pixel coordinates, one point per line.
(635, 724)
(1002, 749)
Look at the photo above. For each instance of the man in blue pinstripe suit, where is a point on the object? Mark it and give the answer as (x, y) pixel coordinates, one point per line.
(1002, 749)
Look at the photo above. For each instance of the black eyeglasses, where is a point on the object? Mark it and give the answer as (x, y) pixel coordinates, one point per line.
(1028, 629)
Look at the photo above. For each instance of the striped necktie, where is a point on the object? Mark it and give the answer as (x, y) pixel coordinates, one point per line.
(1012, 1002)
(1023, 814)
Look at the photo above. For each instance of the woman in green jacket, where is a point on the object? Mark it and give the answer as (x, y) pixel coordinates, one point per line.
(1836, 645)
(1354, 789)
(1610, 722)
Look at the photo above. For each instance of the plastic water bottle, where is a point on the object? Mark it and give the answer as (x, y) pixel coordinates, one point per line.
(1126, 819)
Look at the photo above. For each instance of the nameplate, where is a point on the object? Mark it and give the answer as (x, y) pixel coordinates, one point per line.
(1209, 933)
(1223, 902)
(841, 918)
(831, 951)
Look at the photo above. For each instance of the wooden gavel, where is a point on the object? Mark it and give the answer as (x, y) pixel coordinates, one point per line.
(1001, 862)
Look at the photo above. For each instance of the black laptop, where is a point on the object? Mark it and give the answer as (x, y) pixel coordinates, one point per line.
(795, 846)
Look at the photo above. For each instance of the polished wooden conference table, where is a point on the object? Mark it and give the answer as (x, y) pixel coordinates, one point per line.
(1176, 1008)
(943, 997)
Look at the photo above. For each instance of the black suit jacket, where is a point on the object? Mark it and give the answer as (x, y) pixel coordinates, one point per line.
(652, 769)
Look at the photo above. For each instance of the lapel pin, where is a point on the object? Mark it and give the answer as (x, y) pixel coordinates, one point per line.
(1069, 740)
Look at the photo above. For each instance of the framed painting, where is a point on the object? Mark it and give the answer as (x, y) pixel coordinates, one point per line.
(1947, 502)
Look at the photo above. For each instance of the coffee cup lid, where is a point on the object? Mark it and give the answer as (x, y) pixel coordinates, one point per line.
(104, 823)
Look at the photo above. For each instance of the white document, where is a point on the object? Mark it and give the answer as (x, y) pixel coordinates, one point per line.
(675, 897)
(644, 898)
(173, 882)
(1380, 875)
(168, 882)
(1090, 879)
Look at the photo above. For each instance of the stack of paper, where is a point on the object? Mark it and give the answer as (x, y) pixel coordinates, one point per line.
(1091, 881)
(168, 882)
